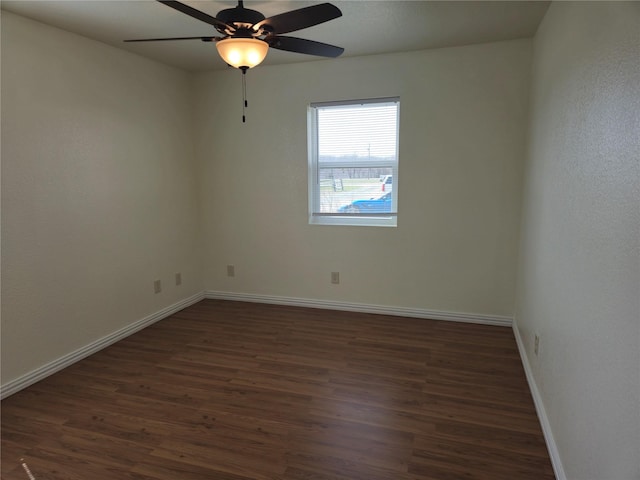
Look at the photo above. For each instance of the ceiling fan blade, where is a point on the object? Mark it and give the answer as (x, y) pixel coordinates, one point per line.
(204, 39)
(302, 45)
(299, 19)
(197, 14)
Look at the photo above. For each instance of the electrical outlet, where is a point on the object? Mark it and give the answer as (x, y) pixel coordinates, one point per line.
(536, 344)
(231, 271)
(178, 279)
(157, 286)
(335, 278)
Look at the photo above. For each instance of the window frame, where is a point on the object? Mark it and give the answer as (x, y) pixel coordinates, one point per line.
(351, 219)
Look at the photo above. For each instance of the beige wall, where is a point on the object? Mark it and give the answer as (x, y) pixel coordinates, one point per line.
(98, 192)
(579, 280)
(462, 128)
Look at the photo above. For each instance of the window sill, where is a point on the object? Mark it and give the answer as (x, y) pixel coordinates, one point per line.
(354, 221)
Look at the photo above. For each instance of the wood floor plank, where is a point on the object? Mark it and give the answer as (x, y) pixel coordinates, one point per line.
(244, 391)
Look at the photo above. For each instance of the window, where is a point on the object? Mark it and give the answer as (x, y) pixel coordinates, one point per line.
(353, 162)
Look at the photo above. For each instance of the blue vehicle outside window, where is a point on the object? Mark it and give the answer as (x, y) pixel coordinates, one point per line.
(381, 204)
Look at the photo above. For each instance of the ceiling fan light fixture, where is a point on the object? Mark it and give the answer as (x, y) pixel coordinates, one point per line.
(242, 52)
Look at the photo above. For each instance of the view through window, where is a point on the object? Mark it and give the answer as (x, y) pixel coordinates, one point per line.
(353, 162)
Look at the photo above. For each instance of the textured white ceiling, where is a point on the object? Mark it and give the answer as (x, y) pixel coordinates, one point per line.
(366, 27)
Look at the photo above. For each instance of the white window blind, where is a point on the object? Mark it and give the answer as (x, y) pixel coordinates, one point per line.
(353, 162)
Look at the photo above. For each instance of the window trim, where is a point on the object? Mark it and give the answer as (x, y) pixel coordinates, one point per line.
(351, 219)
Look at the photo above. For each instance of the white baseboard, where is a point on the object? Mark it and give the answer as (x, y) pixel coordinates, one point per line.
(50, 368)
(558, 469)
(363, 308)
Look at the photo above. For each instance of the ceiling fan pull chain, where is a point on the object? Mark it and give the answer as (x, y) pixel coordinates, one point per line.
(244, 92)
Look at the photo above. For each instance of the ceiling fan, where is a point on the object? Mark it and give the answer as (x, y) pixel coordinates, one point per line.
(248, 35)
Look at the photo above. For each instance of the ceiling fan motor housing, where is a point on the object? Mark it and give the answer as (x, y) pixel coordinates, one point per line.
(240, 15)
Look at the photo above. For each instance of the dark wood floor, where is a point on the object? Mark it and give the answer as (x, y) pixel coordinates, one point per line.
(237, 391)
